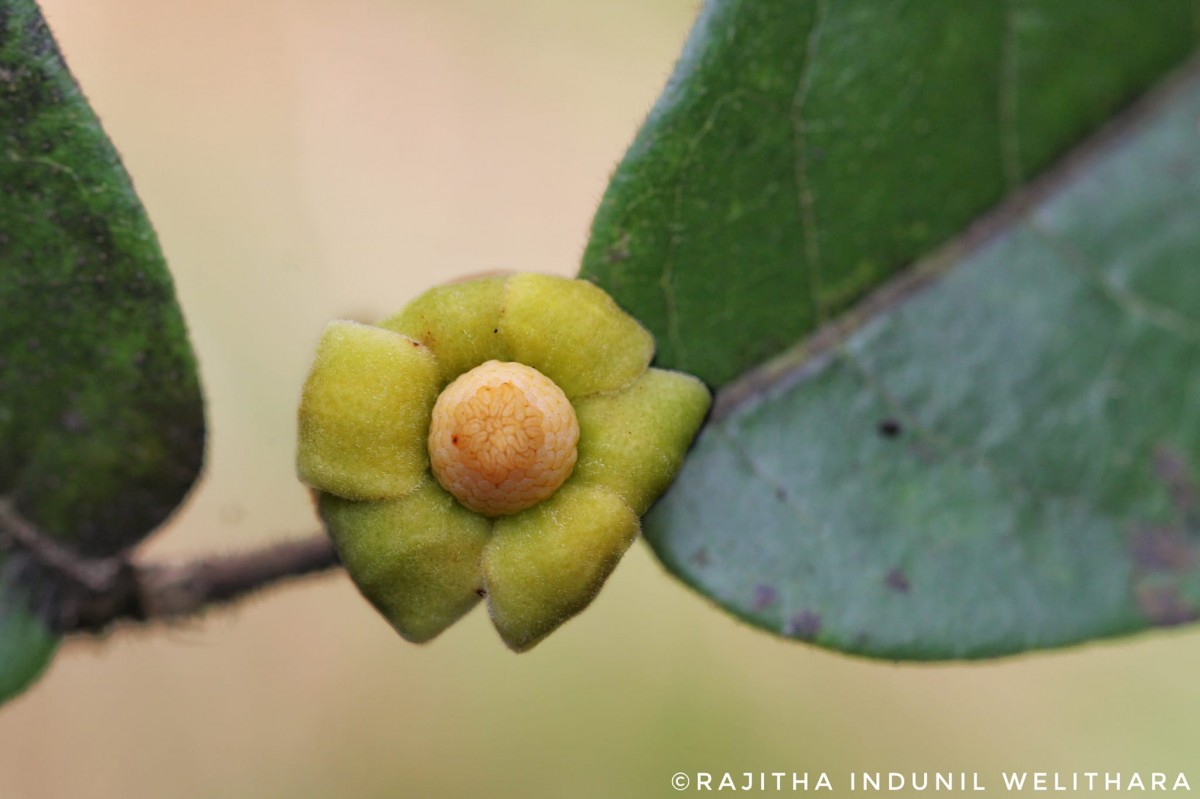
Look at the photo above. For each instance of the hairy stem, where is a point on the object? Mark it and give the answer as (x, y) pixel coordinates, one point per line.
(95, 593)
(173, 590)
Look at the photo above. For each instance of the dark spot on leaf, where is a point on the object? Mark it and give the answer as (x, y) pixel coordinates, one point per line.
(805, 625)
(764, 597)
(495, 330)
(1162, 549)
(781, 494)
(1171, 467)
(1163, 607)
(897, 580)
(701, 557)
(73, 422)
(889, 428)
(923, 452)
(619, 251)
(480, 592)
(454, 439)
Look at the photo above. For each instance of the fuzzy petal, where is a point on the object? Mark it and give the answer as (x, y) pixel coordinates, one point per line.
(364, 413)
(545, 564)
(574, 333)
(459, 322)
(633, 442)
(416, 559)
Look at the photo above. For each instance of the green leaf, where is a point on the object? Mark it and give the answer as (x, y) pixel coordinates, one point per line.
(803, 152)
(1004, 455)
(101, 419)
(26, 642)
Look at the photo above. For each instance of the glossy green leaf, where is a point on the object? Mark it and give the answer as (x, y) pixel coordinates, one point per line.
(101, 420)
(805, 150)
(1005, 455)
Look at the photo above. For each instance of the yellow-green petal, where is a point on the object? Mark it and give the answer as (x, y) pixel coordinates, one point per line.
(459, 322)
(364, 413)
(416, 559)
(574, 333)
(633, 442)
(545, 564)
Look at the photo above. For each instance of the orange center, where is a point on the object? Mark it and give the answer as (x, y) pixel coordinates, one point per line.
(497, 431)
(502, 438)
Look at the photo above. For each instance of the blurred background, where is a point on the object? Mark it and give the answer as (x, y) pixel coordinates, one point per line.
(309, 159)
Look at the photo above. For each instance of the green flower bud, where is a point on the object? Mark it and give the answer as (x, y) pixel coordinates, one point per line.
(498, 437)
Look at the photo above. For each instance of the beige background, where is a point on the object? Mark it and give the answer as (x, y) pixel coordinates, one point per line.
(307, 159)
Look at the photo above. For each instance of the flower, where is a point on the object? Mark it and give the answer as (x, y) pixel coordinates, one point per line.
(549, 434)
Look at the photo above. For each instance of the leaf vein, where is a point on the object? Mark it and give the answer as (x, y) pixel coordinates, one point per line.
(675, 232)
(800, 159)
(911, 421)
(765, 475)
(1010, 140)
(1168, 319)
(1100, 391)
